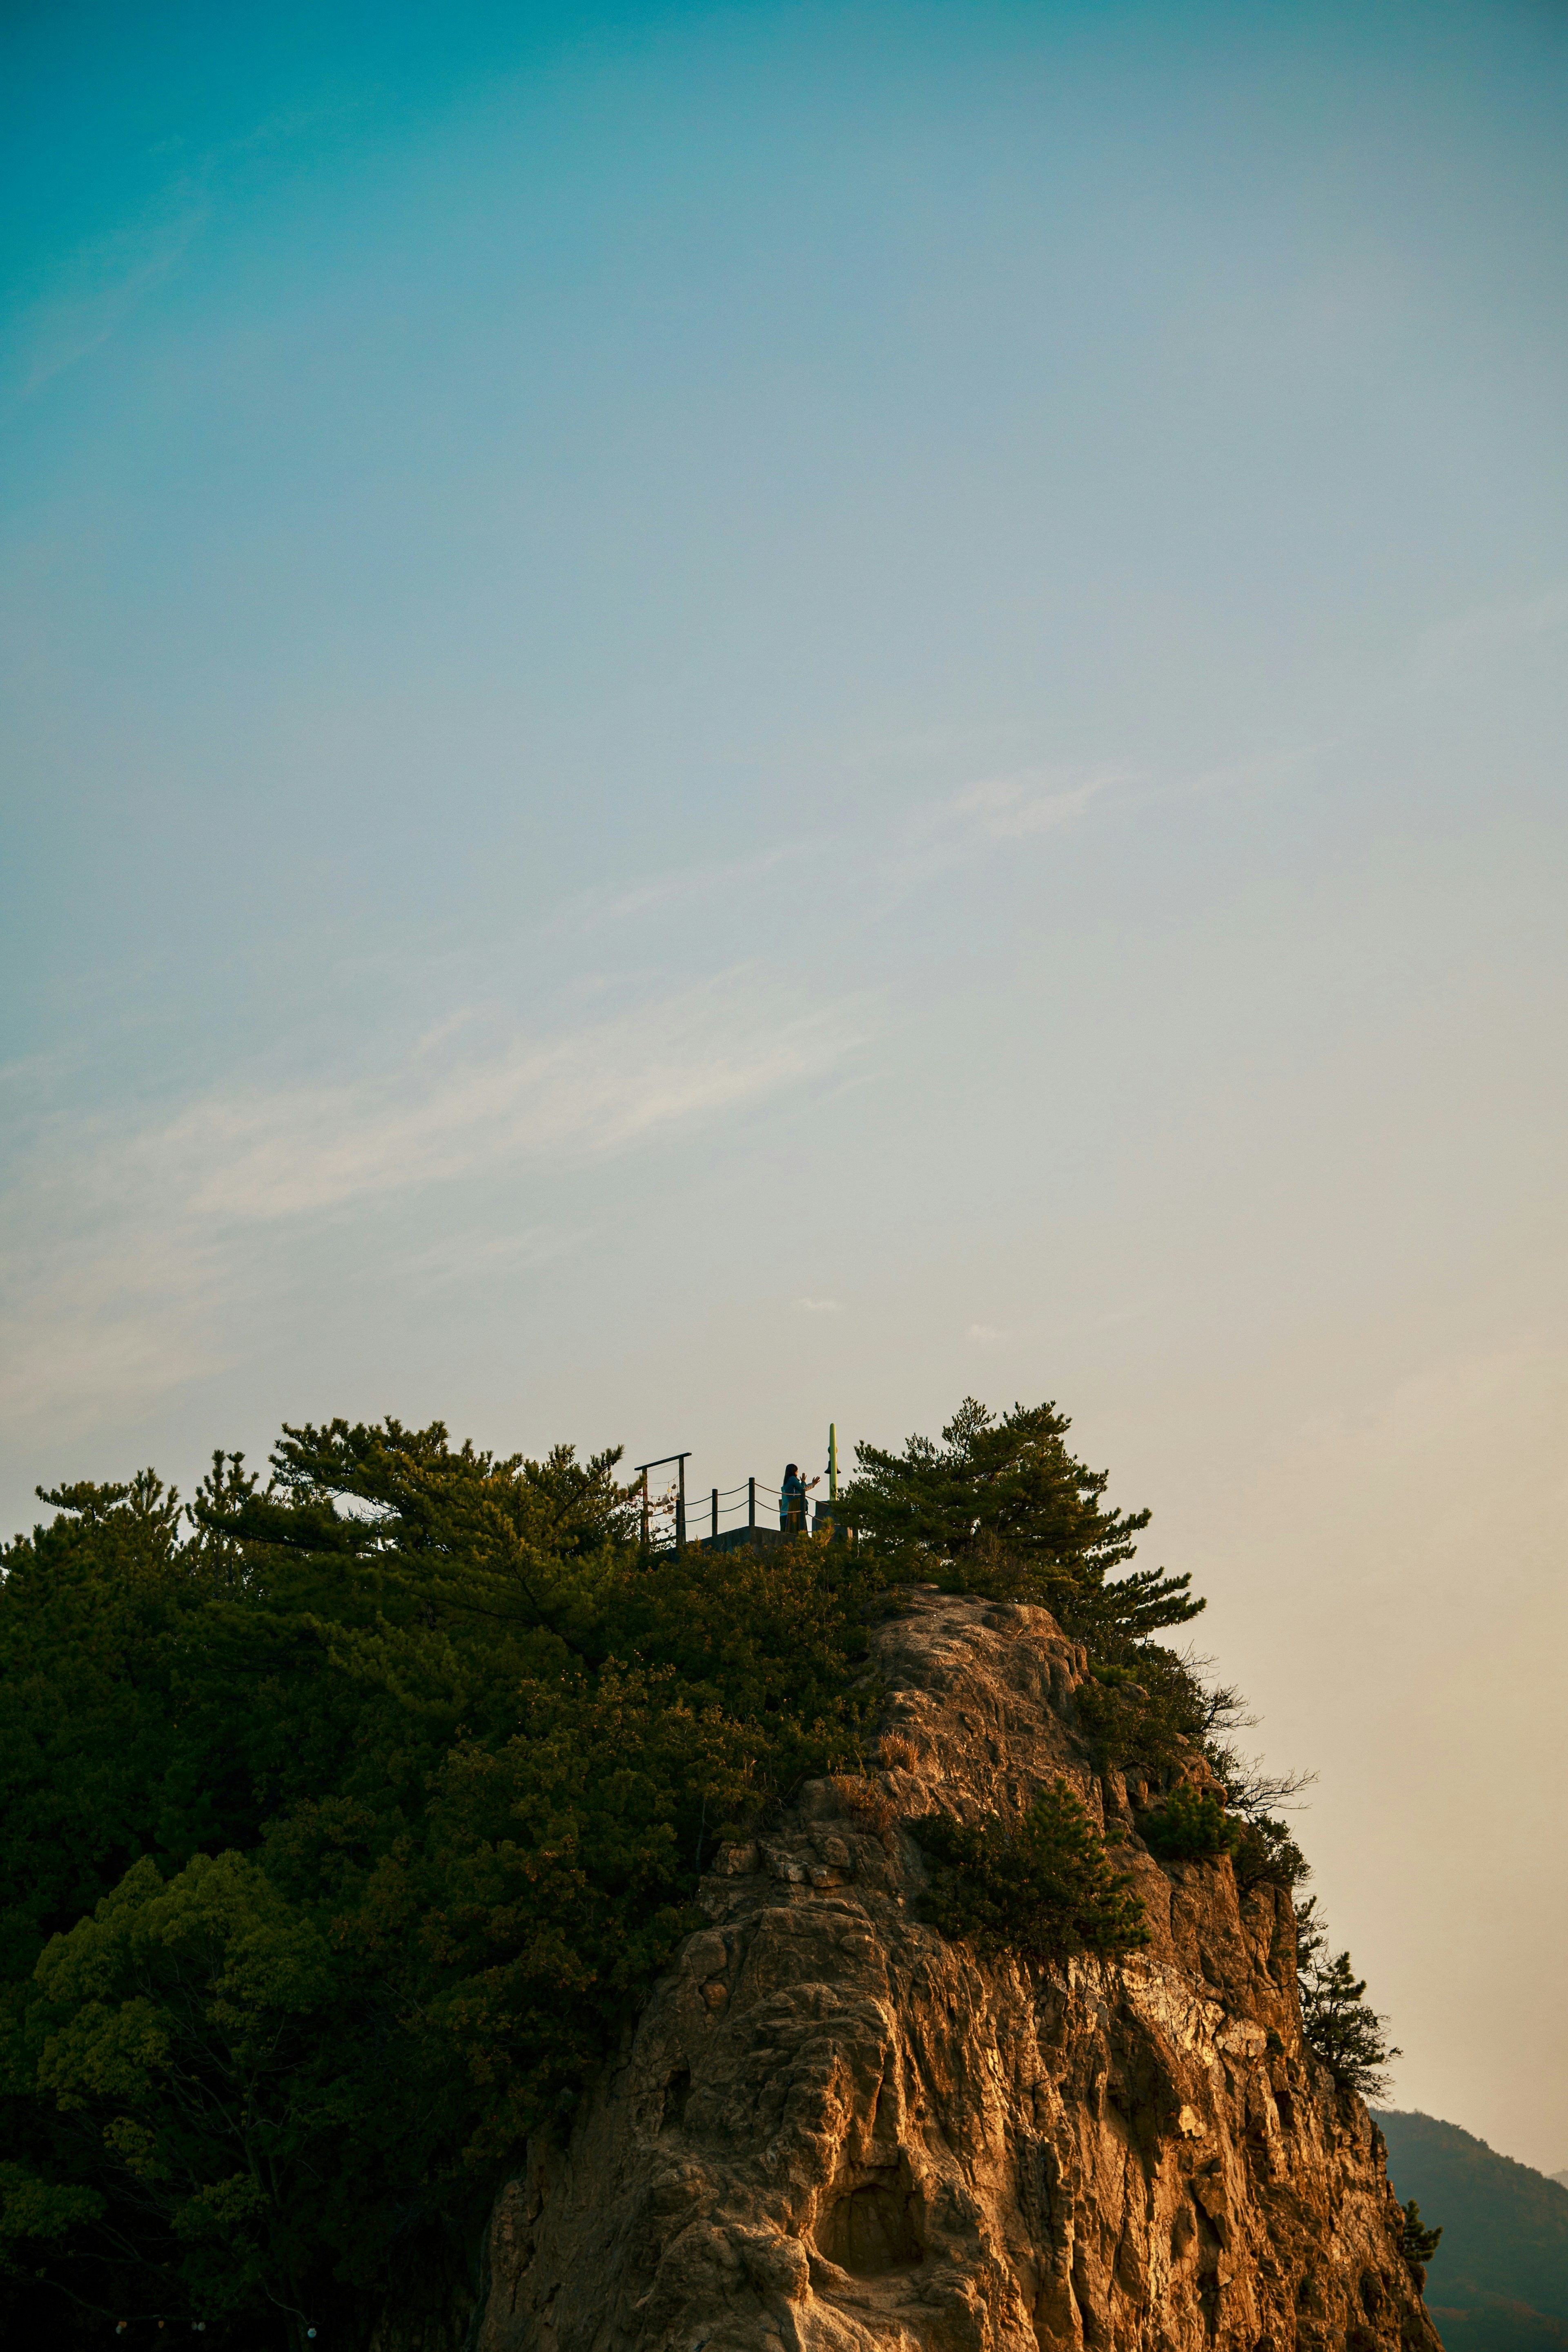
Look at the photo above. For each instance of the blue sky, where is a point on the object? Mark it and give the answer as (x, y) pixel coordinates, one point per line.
(719, 718)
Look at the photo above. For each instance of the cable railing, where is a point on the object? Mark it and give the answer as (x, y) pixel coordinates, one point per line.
(727, 1515)
(674, 1519)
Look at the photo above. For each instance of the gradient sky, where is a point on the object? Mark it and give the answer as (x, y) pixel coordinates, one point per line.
(716, 717)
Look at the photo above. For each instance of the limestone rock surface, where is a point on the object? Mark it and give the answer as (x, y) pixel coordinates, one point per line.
(834, 2131)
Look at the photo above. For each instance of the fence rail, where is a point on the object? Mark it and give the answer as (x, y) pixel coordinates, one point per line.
(746, 1510)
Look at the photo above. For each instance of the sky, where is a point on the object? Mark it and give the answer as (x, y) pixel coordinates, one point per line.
(723, 718)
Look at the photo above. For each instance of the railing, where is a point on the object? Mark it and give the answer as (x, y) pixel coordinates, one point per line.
(749, 1509)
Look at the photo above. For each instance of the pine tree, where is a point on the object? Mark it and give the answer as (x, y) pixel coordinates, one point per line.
(1416, 2242)
(1002, 1505)
(1339, 2025)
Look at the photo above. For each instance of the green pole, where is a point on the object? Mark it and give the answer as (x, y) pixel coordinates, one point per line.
(832, 1462)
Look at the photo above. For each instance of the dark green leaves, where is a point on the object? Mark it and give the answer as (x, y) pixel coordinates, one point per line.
(1002, 1506)
(1416, 2242)
(363, 1811)
(1189, 1826)
(1044, 1887)
(1338, 2024)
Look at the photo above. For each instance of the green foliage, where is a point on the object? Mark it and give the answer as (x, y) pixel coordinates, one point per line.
(1336, 2022)
(205, 2032)
(1149, 1708)
(346, 1818)
(1189, 1826)
(1153, 1708)
(1044, 1888)
(1416, 2242)
(1001, 1506)
(1266, 1855)
(344, 1823)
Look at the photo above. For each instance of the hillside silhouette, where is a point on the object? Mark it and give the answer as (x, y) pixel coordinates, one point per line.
(1499, 2282)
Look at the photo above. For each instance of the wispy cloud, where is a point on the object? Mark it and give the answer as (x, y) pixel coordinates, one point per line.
(715, 880)
(103, 286)
(100, 286)
(124, 1241)
(480, 1256)
(819, 1305)
(291, 1151)
(996, 811)
(1011, 808)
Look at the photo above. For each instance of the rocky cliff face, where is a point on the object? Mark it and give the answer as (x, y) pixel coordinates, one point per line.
(833, 2131)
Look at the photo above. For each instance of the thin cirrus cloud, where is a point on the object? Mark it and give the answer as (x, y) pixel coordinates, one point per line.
(294, 1152)
(106, 283)
(596, 911)
(1006, 808)
(123, 1247)
(997, 810)
(1476, 638)
(91, 294)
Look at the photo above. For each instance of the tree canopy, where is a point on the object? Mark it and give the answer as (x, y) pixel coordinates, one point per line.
(1001, 1504)
(343, 1822)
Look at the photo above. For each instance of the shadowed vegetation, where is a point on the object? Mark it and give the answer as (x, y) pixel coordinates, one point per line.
(346, 1818)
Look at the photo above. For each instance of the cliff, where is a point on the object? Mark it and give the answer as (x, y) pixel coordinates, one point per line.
(831, 2130)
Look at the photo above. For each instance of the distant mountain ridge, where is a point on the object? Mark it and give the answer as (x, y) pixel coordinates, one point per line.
(1499, 2282)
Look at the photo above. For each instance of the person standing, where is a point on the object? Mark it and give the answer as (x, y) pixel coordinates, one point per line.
(792, 1500)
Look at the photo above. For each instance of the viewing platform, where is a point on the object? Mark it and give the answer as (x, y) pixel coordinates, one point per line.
(726, 1518)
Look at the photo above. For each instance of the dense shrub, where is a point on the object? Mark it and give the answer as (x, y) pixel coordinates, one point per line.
(1148, 1708)
(1044, 1887)
(1189, 1826)
(1417, 2244)
(1266, 1855)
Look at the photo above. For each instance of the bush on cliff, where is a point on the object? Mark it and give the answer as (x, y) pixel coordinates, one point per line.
(1417, 2244)
(1001, 1506)
(1151, 1709)
(1044, 1887)
(1266, 1855)
(1189, 1826)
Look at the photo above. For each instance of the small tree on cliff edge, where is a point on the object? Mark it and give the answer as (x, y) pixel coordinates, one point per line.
(1001, 1506)
(1338, 2025)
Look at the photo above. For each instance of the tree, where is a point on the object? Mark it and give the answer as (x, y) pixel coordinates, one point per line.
(1002, 1505)
(1338, 2025)
(1416, 2242)
(191, 2028)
